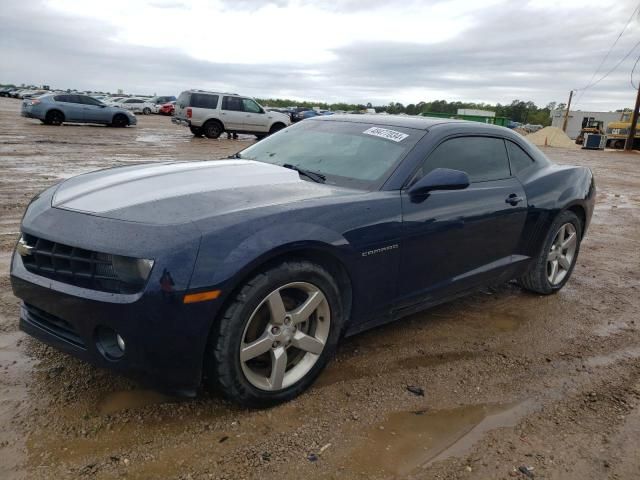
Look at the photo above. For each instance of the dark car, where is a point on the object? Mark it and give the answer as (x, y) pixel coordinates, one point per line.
(243, 274)
(59, 108)
(162, 100)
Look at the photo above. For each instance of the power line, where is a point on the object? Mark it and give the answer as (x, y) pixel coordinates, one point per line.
(590, 84)
(633, 70)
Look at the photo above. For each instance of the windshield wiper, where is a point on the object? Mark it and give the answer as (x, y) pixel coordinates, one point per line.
(315, 176)
(235, 155)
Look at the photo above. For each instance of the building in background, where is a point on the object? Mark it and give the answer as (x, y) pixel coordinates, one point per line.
(578, 119)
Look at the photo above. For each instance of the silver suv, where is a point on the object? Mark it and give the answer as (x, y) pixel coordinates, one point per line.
(211, 113)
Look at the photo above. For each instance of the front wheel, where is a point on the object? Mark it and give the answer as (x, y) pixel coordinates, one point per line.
(554, 265)
(146, 111)
(120, 121)
(276, 336)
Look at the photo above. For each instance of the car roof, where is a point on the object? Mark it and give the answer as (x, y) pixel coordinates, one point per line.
(418, 123)
(406, 121)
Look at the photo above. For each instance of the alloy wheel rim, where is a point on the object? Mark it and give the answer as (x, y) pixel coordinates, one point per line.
(562, 253)
(285, 336)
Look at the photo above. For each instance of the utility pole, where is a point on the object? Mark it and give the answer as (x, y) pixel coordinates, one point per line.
(566, 113)
(634, 120)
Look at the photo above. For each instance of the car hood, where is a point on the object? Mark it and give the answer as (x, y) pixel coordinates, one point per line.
(171, 193)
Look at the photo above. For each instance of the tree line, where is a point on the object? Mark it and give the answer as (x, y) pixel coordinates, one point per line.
(517, 110)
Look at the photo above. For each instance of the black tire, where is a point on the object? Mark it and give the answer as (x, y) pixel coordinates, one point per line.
(276, 127)
(197, 131)
(54, 117)
(223, 368)
(146, 111)
(212, 129)
(260, 136)
(120, 121)
(536, 278)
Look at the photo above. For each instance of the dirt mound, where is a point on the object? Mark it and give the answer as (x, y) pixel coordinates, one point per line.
(551, 137)
(521, 131)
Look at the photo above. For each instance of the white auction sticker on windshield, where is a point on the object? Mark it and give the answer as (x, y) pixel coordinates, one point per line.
(386, 133)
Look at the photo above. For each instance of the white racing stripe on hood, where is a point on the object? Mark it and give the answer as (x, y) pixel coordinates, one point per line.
(107, 190)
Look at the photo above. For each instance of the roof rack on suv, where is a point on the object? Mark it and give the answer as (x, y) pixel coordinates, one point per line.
(211, 91)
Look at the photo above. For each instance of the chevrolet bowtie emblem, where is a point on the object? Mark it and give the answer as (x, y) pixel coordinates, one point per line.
(23, 249)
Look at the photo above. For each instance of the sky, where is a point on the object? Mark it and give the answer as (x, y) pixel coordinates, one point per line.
(353, 51)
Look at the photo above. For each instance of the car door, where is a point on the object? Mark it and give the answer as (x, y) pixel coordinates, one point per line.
(255, 117)
(93, 110)
(73, 108)
(454, 240)
(232, 113)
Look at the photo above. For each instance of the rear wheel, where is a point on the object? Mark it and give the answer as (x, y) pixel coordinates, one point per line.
(276, 128)
(212, 129)
(54, 117)
(120, 121)
(197, 131)
(554, 265)
(276, 336)
(146, 111)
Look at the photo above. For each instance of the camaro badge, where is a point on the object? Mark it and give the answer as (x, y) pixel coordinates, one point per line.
(380, 250)
(23, 249)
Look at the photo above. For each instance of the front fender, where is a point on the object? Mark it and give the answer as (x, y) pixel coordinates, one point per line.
(223, 264)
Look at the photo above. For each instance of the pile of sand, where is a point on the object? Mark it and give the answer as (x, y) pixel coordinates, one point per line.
(552, 137)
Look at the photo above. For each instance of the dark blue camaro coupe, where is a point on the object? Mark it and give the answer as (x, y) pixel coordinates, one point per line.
(243, 274)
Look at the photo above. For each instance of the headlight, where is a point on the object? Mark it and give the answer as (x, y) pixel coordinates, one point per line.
(134, 271)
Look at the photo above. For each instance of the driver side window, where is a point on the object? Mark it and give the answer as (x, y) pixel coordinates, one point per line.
(250, 106)
(481, 158)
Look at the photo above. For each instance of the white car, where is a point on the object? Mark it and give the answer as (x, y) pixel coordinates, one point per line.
(212, 113)
(138, 105)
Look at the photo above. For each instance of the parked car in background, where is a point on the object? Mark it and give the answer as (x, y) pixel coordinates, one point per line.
(34, 93)
(168, 108)
(244, 274)
(532, 128)
(56, 109)
(162, 100)
(5, 91)
(212, 113)
(304, 114)
(138, 105)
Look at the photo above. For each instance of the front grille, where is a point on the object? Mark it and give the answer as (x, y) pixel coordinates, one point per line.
(72, 265)
(54, 325)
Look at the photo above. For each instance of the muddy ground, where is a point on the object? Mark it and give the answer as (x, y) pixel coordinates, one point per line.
(516, 385)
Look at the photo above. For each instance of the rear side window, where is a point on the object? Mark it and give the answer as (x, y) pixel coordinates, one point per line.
(62, 98)
(201, 100)
(482, 158)
(519, 158)
(232, 103)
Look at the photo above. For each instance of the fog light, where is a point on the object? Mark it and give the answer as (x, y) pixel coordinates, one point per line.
(109, 343)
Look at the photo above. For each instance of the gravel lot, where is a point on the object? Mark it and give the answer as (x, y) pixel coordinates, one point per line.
(511, 380)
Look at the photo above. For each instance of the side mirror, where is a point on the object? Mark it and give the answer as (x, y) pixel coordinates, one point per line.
(440, 179)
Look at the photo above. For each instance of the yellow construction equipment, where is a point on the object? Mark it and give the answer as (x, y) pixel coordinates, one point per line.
(590, 125)
(617, 132)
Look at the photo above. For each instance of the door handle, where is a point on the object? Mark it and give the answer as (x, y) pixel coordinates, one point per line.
(513, 199)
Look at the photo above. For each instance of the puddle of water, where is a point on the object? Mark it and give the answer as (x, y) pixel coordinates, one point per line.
(406, 441)
(131, 399)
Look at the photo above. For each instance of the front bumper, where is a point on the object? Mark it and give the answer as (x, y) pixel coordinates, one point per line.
(165, 338)
(164, 347)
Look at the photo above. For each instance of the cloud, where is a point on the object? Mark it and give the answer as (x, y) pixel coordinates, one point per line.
(494, 53)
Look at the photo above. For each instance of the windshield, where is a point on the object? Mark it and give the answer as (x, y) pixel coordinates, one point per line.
(358, 155)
